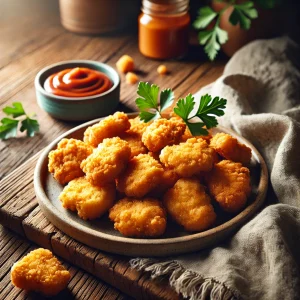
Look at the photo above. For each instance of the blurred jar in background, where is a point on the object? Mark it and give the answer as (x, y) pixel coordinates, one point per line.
(98, 16)
(164, 28)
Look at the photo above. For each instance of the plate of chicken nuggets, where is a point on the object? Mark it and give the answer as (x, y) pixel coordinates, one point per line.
(149, 189)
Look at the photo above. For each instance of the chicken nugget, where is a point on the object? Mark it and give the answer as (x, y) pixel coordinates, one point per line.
(40, 271)
(229, 147)
(134, 140)
(139, 217)
(187, 135)
(143, 173)
(189, 158)
(109, 127)
(107, 161)
(169, 178)
(138, 126)
(90, 201)
(64, 162)
(163, 132)
(189, 205)
(229, 184)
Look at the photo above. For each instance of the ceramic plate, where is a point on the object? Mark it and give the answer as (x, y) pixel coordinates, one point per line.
(100, 233)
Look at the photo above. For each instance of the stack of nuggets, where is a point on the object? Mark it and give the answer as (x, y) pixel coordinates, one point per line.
(156, 169)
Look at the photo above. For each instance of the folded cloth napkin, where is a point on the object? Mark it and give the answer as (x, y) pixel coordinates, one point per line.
(262, 260)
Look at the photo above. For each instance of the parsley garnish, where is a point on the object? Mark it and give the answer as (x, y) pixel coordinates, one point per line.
(9, 127)
(204, 116)
(213, 38)
(206, 112)
(148, 101)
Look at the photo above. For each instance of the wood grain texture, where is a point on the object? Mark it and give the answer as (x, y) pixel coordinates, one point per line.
(81, 286)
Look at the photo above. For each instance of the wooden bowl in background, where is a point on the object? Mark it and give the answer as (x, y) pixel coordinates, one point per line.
(98, 16)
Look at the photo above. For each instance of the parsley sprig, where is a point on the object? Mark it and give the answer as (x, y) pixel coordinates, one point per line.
(212, 38)
(9, 126)
(204, 116)
(148, 102)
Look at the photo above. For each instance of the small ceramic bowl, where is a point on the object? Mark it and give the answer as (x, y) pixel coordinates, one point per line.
(78, 108)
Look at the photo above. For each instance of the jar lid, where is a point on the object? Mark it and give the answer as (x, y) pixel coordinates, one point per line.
(163, 7)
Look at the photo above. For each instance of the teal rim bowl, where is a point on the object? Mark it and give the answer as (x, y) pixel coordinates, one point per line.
(78, 108)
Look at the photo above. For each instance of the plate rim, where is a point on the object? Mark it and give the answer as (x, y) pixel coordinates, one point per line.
(55, 218)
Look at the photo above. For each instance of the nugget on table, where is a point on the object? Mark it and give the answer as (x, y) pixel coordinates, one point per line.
(109, 127)
(107, 162)
(40, 271)
(143, 173)
(189, 158)
(64, 162)
(229, 147)
(189, 205)
(88, 200)
(229, 184)
(139, 217)
(163, 132)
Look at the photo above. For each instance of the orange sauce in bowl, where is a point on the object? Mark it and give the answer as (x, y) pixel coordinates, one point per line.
(77, 82)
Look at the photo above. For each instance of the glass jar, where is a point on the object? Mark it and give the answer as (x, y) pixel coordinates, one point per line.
(164, 28)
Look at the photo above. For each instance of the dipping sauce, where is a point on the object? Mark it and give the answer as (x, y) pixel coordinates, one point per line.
(78, 82)
(164, 29)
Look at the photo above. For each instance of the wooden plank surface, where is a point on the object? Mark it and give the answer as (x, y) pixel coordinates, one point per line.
(14, 247)
(32, 38)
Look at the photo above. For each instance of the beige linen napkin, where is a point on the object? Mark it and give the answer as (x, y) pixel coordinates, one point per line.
(262, 260)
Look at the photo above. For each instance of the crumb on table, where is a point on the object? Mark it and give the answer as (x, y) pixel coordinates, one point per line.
(162, 70)
(125, 64)
(131, 78)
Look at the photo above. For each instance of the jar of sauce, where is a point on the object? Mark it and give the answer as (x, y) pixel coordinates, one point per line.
(164, 28)
(77, 82)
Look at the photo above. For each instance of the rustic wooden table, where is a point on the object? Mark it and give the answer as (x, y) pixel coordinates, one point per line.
(31, 38)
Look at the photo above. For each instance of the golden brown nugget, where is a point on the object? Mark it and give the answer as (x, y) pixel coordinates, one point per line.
(109, 127)
(169, 178)
(134, 140)
(229, 147)
(64, 162)
(189, 205)
(40, 271)
(107, 162)
(138, 126)
(163, 132)
(143, 173)
(187, 135)
(189, 158)
(139, 217)
(229, 184)
(88, 200)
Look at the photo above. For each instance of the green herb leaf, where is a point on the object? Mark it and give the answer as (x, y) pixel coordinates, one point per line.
(206, 15)
(209, 107)
(242, 14)
(184, 107)
(166, 99)
(16, 110)
(148, 116)
(8, 128)
(197, 128)
(222, 35)
(149, 94)
(30, 125)
(212, 40)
